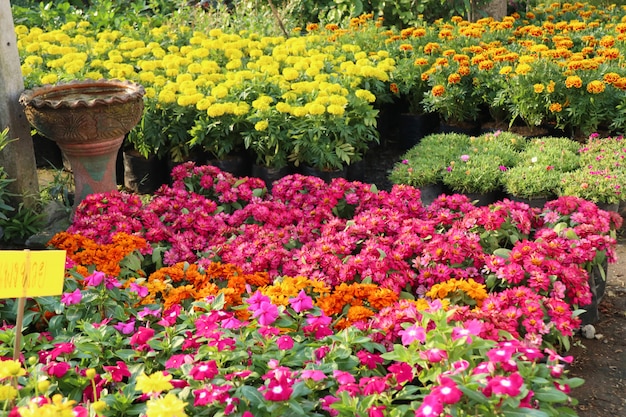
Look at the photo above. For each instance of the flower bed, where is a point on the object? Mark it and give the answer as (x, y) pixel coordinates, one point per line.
(215, 297)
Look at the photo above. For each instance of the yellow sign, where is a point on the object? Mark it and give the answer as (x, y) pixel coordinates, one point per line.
(31, 273)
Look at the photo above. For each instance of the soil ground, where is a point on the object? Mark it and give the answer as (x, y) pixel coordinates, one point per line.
(601, 361)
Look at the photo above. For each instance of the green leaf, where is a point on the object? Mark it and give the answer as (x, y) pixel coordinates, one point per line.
(502, 253)
(551, 395)
(525, 412)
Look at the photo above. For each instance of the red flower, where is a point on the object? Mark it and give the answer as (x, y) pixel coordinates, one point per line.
(371, 360)
(118, 372)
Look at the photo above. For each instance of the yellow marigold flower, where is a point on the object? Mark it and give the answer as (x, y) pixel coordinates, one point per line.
(168, 406)
(556, 107)
(454, 78)
(363, 94)
(336, 109)
(506, 70)
(283, 107)
(219, 91)
(156, 382)
(49, 79)
(261, 126)
(315, 109)
(167, 97)
(595, 87)
(573, 81)
(216, 110)
(150, 92)
(262, 103)
(298, 111)
(7, 392)
(438, 90)
(550, 87)
(523, 69)
(419, 62)
(538, 88)
(290, 74)
(242, 108)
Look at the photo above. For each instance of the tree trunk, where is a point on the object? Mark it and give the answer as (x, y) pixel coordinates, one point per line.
(18, 157)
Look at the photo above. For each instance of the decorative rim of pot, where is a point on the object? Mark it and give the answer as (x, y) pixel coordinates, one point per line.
(75, 94)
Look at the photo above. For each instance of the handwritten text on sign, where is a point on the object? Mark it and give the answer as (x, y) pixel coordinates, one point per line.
(31, 273)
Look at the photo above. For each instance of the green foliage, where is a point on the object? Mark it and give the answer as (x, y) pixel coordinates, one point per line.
(5, 195)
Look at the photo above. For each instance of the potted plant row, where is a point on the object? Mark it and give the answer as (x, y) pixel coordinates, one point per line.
(530, 170)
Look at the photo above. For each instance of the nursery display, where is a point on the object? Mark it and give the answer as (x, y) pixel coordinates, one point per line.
(214, 296)
(284, 288)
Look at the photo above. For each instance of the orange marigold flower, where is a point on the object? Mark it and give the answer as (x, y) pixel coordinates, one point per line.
(393, 87)
(573, 81)
(607, 41)
(419, 32)
(431, 47)
(453, 78)
(419, 62)
(406, 47)
(595, 87)
(311, 27)
(611, 77)
(331, 27)
(485, 65)
(556, 108)
(438, 90)
(621, 83)
(464, 70)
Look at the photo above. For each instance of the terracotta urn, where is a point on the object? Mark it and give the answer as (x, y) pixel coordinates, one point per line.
(88, 120)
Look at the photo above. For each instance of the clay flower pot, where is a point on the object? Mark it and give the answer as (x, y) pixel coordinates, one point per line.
(88, 120)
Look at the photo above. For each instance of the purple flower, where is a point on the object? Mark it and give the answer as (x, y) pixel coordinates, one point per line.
(73, 297)
(465, 158)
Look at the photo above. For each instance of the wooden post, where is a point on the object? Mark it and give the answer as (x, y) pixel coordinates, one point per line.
(18, 157)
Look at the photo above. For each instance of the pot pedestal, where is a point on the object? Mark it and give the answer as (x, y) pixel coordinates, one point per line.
(88, 120)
